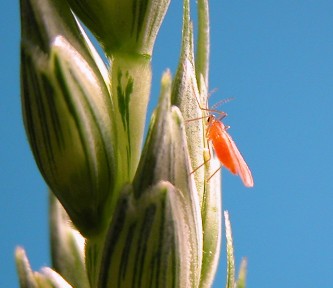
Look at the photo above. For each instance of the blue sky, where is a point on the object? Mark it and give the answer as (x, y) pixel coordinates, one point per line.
(276, 59)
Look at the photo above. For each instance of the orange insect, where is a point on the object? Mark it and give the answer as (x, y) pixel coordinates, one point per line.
(225, 148)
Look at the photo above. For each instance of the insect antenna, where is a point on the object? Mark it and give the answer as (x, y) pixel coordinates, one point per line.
(212, 109)
(223, 101)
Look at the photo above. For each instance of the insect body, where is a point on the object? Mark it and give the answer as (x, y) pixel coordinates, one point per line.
(226, 150)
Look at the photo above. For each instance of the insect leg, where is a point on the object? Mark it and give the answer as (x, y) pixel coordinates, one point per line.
(214, 173)
(207, 160)
(216, 169)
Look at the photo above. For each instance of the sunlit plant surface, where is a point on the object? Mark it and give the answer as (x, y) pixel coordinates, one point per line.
(120, 215)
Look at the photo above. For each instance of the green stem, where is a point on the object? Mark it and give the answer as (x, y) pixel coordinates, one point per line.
(202, 57)
(130, 86)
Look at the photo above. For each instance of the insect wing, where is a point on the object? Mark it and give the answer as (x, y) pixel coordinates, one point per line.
(241, 167)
